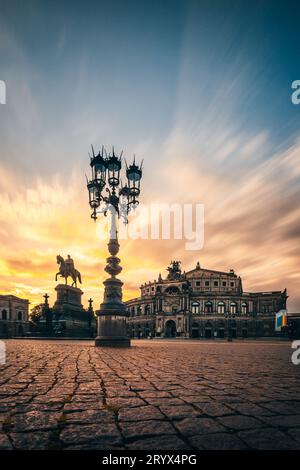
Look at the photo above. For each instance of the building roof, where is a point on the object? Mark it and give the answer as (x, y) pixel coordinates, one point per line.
(211, 271)
(12, 297)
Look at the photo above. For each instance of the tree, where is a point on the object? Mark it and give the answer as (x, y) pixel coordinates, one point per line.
(36, 313)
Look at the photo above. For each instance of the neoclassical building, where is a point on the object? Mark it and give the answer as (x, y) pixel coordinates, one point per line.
(202, 303)
(13, 316)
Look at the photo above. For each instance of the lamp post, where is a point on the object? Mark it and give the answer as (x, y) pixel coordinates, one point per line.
(111, 318)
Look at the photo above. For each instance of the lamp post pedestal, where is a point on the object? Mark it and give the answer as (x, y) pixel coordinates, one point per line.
(111, 331)
(112, 316)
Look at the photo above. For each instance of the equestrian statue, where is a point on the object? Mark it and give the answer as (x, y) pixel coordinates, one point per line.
(66, 269)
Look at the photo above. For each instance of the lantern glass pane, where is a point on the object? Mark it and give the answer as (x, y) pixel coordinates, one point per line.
(100, 167)
(134, 176)
(113, 166)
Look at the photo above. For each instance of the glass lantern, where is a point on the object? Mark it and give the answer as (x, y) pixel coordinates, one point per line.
(113, 167)
(134, 175)
(94, 194)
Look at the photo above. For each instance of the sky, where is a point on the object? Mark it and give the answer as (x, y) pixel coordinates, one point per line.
(200, 90)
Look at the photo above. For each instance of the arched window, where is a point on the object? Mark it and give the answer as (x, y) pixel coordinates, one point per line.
(195, 307)
(208, 307)
(221, 308)
(20, 316)
(244, 308)
(139, 310)
(233, 308)
(173, 290)
(4, 315)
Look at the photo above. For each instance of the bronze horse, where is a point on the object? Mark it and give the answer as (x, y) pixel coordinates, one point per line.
(65, 272)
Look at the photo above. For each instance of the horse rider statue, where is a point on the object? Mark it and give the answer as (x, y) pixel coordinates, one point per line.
(66, 269)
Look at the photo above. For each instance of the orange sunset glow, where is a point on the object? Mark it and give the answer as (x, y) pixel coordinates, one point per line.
(47, 218)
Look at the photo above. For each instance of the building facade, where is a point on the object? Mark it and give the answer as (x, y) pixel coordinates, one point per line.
(13, 316)
(202, 303)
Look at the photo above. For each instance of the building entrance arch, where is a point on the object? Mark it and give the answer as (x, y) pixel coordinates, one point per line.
(170, 329)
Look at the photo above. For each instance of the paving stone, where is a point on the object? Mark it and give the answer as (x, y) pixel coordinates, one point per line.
(286, 421)
(159, 443)
(100, 444)
(240, 422)
(179, 412)
(82, 405)
(197, 399)
(35, 421)
(140, 414)
(146, 428)
(217, 441)
(164, 401)
(5, 443)
(154, 394)
(250, 409)
(279, 407)
(194, 426)
(295, 433)
(268, 439)
(125, 402)
(89, 417)
(33, 440)
(99, 433)
(214, 409)
(79, 398)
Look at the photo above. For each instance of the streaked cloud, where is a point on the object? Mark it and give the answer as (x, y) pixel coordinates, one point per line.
(204, 102)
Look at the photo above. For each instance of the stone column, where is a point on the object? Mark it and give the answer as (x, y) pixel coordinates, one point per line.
(112, 316)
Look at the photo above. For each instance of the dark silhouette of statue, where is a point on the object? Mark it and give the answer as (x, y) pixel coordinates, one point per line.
(66, 269)
(174, 271)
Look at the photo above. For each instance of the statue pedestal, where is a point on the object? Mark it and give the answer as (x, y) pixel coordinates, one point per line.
(69, 316)
(68, 296)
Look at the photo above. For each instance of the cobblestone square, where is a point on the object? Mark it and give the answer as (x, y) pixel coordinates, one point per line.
(173, 395)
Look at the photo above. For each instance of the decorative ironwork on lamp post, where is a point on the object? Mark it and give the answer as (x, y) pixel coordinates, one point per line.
(106, 193)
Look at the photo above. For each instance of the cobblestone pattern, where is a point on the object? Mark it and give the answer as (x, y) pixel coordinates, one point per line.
(156, 395)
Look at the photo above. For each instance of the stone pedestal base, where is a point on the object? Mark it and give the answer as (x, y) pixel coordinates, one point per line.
(112, 342)
(68, 298)
(68, 317)
(112, 330)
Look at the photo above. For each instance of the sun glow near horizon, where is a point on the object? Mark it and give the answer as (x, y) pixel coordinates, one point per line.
(45, 220)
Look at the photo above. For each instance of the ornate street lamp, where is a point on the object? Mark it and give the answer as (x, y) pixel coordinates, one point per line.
(111, 325)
